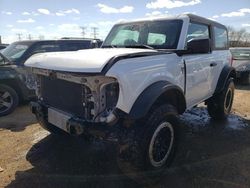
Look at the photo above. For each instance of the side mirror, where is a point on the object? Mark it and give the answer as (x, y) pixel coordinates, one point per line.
(94, 44)
(198, 46)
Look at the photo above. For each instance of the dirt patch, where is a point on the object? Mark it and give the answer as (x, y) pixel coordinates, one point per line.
(210, 154)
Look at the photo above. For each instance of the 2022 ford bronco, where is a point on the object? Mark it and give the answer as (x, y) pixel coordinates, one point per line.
(145, 74)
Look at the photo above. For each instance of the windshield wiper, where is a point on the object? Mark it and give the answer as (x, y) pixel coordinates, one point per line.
(139, 46)
(110, 46)
(129, 46)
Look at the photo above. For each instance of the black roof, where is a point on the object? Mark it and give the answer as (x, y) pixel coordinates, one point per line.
(200, 19)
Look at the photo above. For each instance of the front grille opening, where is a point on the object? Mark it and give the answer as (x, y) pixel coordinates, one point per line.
(63, 95)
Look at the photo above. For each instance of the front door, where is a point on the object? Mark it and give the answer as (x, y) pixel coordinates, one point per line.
(197, 67)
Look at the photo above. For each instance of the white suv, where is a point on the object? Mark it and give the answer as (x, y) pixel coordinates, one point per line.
(145, 74)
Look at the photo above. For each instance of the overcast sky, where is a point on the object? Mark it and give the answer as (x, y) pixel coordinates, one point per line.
(62, 18)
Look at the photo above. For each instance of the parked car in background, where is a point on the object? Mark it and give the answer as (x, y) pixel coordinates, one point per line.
(2, 46)
(16, 83)
(241, 62)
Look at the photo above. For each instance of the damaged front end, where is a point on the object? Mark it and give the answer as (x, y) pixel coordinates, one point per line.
(75, 102)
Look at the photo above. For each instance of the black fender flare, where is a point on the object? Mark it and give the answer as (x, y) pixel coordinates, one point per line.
(159, 90)
(226, 73)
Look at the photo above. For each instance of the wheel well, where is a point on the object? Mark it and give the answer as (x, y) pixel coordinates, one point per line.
(173, 97)
(161, 92)
(14, 86)
(226, 73)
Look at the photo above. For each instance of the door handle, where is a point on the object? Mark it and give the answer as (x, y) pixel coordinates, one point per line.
(213, 64)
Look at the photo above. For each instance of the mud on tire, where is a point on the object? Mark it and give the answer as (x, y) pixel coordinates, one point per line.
(153, 147)
(219, 106)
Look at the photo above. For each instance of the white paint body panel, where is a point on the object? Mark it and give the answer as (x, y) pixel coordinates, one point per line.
(90, 60)
(136, 74)
(202, 78)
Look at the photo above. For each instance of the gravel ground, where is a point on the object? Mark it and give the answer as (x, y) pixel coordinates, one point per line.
(210, 154)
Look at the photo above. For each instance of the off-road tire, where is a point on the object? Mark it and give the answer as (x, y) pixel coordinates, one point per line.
(7, 96)
(219, 106)
(160, 127)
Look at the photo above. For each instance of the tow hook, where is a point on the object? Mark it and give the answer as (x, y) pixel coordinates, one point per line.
(75, 127)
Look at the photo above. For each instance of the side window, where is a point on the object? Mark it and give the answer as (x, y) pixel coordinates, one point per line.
(220, 37)
(196, 30)
(156, 39)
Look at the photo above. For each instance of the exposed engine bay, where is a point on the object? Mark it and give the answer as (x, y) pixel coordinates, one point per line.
(90, 97)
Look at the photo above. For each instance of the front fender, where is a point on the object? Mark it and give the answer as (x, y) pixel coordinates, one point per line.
(163, 90)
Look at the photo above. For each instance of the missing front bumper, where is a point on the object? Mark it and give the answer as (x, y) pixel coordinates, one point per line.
(71, 124)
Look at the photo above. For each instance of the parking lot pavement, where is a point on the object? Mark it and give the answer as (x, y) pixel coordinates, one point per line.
(210, 154)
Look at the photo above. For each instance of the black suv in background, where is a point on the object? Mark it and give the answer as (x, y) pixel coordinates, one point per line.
(241, 62)
(2, 46)
(16, 83)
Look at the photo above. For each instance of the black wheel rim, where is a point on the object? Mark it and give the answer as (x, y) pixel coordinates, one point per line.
(161, 144)
(6, 101)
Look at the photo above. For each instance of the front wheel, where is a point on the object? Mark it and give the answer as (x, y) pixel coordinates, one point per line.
(8, 100)
(154, 145)
(219, 106)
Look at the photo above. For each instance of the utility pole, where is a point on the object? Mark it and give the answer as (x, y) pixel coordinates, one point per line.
(83, 31)
(0, 39)
(95, 32)
(29, 36)
(19, 35)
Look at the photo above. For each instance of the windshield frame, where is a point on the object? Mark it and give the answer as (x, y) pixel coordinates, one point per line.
(114, 31)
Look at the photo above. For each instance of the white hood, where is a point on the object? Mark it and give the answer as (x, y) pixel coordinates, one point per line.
(91, 60)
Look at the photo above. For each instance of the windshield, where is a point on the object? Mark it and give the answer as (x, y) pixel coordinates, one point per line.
(162, 34)
(15, 51)
(241, 54)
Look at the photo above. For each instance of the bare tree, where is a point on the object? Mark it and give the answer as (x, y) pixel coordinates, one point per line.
(238, 38)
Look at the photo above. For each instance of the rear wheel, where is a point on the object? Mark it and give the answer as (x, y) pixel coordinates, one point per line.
(219, 106)
(153, 147)
(8, 100)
